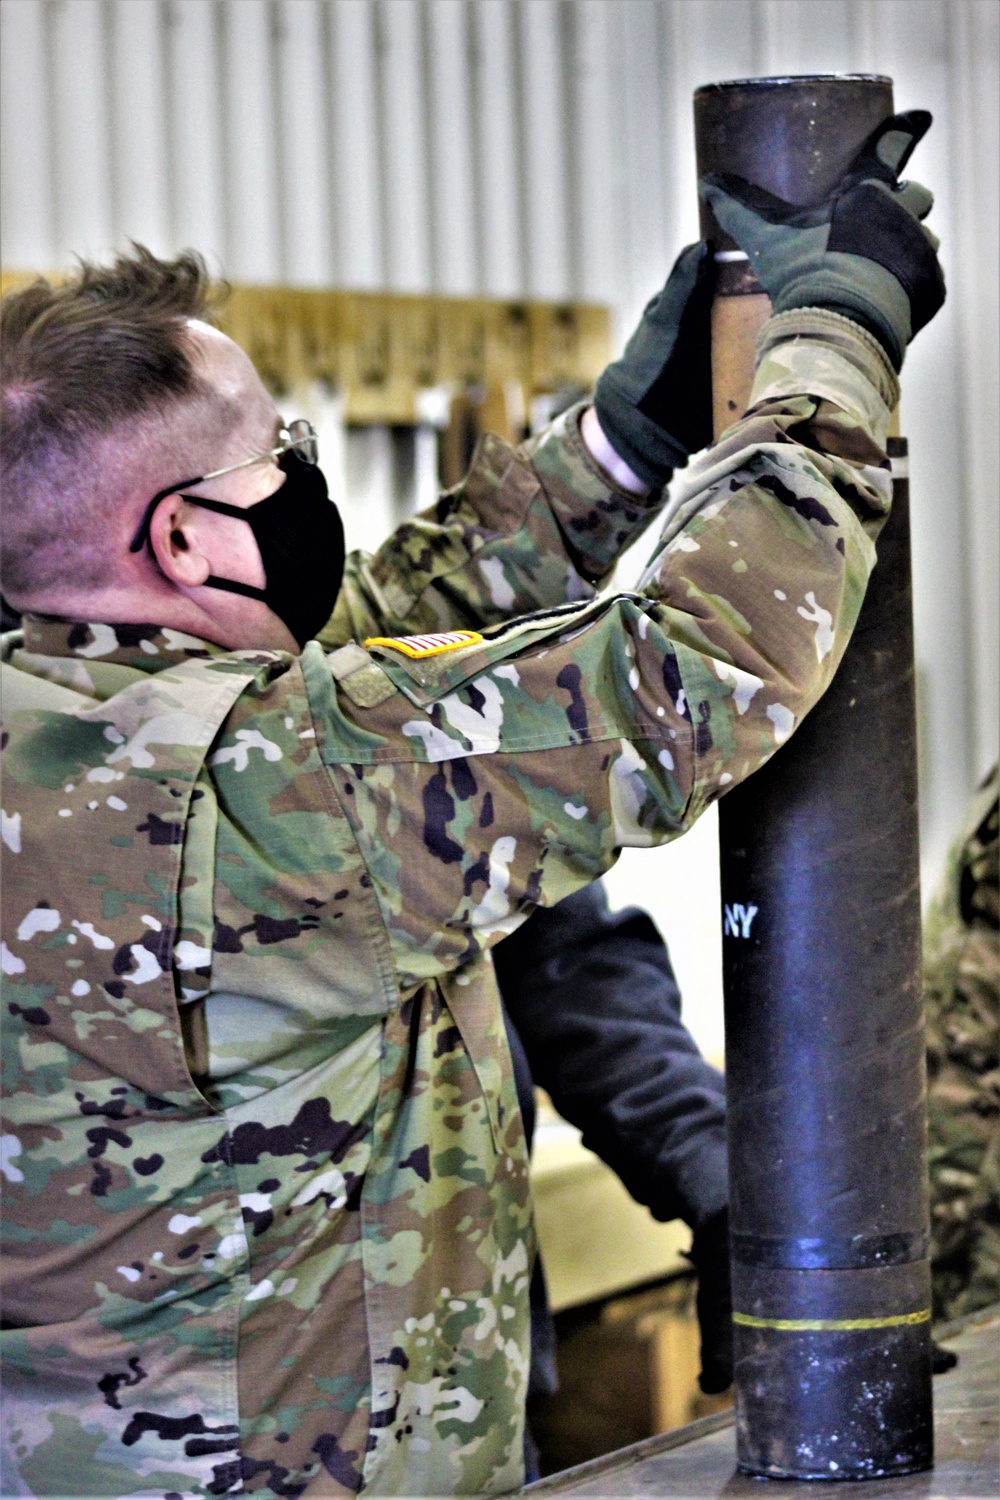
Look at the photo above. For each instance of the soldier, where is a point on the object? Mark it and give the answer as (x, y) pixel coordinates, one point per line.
(267, 1201)
(962, 997)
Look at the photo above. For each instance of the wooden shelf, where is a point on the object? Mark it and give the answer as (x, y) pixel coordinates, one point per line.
(386, 352)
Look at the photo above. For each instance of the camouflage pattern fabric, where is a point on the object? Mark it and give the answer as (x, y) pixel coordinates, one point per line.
(962, 998)
(267, 1221)
(512, 537)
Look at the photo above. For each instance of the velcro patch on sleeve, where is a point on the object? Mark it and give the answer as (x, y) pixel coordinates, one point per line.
(427, 645)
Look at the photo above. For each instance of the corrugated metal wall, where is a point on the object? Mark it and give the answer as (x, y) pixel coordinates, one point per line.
(530, 148)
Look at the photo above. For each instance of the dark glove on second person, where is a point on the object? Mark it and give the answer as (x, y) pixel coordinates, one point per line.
(714, 1304)
(862, 251)
(655, 403)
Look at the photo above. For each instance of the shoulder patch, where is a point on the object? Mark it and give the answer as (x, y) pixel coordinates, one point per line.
(427, 645)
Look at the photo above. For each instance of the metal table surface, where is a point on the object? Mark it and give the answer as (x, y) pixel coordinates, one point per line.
(701, 1459)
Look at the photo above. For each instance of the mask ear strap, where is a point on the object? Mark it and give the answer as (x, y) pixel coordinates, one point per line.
(142, 535)
(231, 586)
(240, 512)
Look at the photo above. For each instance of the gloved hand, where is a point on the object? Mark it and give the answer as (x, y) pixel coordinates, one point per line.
(861, 252)
(714, 1303)
(655, 403)
(942, 1359)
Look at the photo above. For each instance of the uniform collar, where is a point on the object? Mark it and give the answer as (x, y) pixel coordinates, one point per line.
(146, 648)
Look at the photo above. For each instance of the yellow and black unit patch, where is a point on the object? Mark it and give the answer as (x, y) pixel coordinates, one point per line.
(427, 645)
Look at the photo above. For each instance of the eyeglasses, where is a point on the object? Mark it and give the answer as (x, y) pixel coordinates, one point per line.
(299, 437)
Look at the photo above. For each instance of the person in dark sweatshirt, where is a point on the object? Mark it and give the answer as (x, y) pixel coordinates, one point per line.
(593, 1013)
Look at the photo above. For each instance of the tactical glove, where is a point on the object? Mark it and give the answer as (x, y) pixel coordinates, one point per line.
(714, 1304)
(655, 403)
(942, 1359)
(861, 252)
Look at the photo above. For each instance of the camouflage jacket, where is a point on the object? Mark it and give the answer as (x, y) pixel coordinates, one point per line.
(268, 1225)
(962, 1001)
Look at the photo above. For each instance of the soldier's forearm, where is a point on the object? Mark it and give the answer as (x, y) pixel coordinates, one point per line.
(765, 557)
(599, 505)
(526, 529)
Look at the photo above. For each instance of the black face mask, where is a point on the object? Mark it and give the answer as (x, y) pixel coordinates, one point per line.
(301, 540)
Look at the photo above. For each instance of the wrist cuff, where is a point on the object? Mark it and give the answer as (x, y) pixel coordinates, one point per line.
(812, 351)
(650, 452)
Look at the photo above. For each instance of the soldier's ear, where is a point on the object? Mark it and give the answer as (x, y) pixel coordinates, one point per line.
(175, 537)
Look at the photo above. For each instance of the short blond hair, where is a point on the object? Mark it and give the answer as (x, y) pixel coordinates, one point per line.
(78, 359)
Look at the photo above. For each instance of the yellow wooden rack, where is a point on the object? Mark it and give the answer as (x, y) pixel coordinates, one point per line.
(384, 353)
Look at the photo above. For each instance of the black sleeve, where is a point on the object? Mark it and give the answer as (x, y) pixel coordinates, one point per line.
(596, 1006)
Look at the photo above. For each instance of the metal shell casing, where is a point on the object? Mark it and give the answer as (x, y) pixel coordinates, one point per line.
(821, 948)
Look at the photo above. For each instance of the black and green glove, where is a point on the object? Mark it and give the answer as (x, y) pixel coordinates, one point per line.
(655, 403)
(862, 251)
(714, 1305)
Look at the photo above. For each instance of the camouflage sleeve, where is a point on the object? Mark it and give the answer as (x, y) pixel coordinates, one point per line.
(527, 528)
(510, 773)
(962, 1006)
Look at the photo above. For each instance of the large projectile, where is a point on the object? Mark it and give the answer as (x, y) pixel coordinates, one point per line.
(821, 910)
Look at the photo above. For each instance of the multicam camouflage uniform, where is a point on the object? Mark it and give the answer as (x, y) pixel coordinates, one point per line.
(962, 997)
(268, 1220)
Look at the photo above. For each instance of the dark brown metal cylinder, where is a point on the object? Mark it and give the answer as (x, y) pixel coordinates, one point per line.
(794, 136)
(821, 951)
